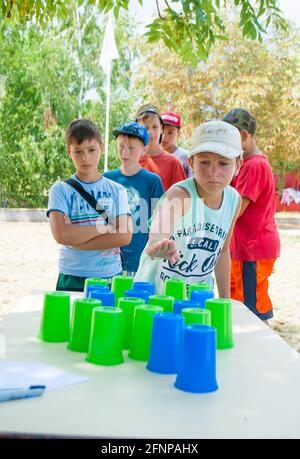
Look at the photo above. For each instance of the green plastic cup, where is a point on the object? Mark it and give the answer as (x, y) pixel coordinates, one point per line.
(119, 285)
(175, 288)
(142, 331)
(81, 323)
(128, 306)
(94, 281)
(55, 318)
(196, 316)
(221, 319)
(106, 338)
(199, 286)
(166, 302)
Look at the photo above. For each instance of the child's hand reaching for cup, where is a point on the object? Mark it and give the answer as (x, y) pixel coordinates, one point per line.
(165, 249)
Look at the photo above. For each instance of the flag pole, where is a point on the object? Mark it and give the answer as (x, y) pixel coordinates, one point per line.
(107, 117)
(108, 53)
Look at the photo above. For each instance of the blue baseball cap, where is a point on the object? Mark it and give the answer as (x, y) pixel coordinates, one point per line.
(133, 130)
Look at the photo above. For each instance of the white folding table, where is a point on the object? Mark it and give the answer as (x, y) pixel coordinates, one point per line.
(258, 396)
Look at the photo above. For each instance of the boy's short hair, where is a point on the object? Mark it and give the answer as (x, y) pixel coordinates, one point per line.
(241, 119)
(147, 110)
(216, 137)
(133, 130)
(81, 130)
(171, 119)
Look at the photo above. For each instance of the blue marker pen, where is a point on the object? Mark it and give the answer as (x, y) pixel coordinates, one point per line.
(16, 393)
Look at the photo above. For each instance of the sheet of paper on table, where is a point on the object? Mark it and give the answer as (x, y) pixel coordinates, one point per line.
(21, 374)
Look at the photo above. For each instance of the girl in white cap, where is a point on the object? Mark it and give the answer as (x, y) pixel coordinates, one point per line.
(192, 224)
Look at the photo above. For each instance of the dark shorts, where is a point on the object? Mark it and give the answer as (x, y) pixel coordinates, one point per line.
(68, 283)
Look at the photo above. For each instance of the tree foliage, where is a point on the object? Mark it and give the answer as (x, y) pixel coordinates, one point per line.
(264, 79)
(48, 78)
(188, 27)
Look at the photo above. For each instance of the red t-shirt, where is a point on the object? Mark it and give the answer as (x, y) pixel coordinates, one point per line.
(167, 166)
(255, 235)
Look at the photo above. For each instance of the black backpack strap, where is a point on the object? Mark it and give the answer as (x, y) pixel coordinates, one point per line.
(87, 196)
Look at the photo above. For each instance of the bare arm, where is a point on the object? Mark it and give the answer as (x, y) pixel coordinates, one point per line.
(245, 204)
(70, 234)
(116, 236)
(222, 269)
(174, 206)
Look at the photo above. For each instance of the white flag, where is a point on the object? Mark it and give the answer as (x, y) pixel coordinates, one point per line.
(109, 49)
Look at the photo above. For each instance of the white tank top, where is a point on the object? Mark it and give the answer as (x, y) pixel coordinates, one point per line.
(199, 237)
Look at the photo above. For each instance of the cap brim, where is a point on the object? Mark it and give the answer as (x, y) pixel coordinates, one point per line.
(151, 112)
(117, 132)
(168, 123)
(216, 147)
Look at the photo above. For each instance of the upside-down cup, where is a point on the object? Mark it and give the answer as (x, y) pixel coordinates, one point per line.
(196, 316)
(119, 285)
(147, 286)
(166, 342)
(201, 296)
(221, 319)
(106, 338)
(166, 302)
(81, 323)
(93, 288)
(142, 331)
(143, 294)
(55, 318)
(106, 297)
(197, 362)
(182, 304)
(128, 306)
(199, 286)
(91, 282)
(175, 288)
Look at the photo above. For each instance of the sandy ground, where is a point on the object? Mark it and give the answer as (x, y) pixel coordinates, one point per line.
(29, 261)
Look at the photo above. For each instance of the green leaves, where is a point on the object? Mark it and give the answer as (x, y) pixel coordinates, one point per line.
(197, 20)
(46, 81)
(238, 73)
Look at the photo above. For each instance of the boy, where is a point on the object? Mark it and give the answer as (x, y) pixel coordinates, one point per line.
(144, 189)
(156, 160)
(192, 226)
(90, 243)
(255, 243)
(171, 133)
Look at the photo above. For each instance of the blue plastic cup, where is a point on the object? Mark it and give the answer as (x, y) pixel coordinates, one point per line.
(92, 281)
(106, 297)
(182, 304)
(165, 343)
(146, 286)
(201, 286)
(200, 296)
(197, 362)
(99, 287)
(137, 294)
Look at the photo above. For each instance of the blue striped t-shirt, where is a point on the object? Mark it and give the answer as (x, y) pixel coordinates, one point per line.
(65, 199)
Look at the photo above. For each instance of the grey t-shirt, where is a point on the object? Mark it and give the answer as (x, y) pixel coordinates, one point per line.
(182, 156)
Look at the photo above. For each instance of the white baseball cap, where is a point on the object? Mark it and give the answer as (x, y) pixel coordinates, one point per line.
(216, 137)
